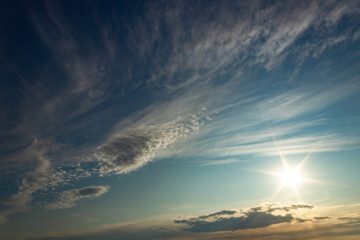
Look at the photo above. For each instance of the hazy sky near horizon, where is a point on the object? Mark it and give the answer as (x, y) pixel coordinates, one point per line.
(179, 119)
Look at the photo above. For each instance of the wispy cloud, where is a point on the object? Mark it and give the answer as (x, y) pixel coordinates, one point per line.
(293, 122)
(220, 162)
(90, 220)
(36, 179)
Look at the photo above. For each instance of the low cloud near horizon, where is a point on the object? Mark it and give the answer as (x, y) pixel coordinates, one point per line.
(267, 221)
(258, 217)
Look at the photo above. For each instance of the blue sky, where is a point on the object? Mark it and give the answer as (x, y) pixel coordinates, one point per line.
(179, 120)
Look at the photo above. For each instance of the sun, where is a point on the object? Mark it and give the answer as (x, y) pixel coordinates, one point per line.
(290, 177)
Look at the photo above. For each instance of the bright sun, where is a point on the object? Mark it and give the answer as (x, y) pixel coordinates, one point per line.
(291, 177)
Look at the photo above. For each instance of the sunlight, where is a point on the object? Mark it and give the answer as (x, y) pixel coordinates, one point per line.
(291, 177)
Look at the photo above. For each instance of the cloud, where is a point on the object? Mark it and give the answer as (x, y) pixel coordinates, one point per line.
(289, 122)
(127, 151)
(230, 220)
(303, 101)
(263, 34)
(289, 208)
(265, 222)
(37, 178)
(220, 213)
(90, 220)
(220, 162)
(68, 198)
(251, 220)
(320, 218)
(40, 175)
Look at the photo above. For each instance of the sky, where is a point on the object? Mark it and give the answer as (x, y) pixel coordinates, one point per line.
(179, 120)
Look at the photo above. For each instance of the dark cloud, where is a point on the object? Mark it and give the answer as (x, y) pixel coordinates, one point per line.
(271, 208)
(68, 198)
(220, 213)
(298, 206)
(321, 218)
(90, 191)
(125, 150)
(301, 220)
(250, 220)
(122, 153)
(257, 217)
(129, 150)
(350, 219)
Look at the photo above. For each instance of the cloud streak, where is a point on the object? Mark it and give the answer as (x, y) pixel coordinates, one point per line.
(220, 162)
(288, 122)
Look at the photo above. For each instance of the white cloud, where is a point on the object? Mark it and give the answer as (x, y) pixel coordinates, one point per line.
(220, 162)
(293, 120)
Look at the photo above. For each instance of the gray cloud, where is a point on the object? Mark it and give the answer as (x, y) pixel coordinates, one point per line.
(251, 220)
(220, 213)
(68, 198)
(272, 208)
(321, 218)
(37, 178)
(127, 151)
(41, 175)
(230, 220)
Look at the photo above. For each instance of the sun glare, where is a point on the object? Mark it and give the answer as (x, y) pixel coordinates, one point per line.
(291, 177)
